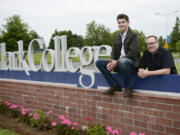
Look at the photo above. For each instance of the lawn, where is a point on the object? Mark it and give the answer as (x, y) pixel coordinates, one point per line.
(7, 132)
(178, 68)
(38, 57)
(176, 55)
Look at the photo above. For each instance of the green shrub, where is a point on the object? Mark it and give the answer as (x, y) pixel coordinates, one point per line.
(96, 130)
(40, 120)
(64, 129)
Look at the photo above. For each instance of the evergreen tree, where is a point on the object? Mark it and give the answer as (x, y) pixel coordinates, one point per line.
(162, 41)
(175, 35)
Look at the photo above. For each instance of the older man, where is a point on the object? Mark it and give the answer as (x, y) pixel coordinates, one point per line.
(157, 59)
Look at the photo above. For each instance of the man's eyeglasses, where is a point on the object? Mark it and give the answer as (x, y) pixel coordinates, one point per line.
(151, 43)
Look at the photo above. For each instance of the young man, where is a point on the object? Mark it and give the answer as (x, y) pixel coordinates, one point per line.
(157, 59)
(125, 57)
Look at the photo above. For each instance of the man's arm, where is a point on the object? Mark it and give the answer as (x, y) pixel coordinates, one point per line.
(142, 73)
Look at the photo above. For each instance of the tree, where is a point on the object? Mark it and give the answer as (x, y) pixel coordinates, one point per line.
(178, 46)
(175, 35)
(113, 35)
(73, 40)
(162, 41)
(97, 34)
(142, 40)
(14, 30)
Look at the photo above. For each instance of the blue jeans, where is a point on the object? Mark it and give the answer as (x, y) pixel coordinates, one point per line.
(125, 67)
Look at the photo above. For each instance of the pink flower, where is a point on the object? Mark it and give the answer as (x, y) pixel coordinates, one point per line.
(54, 124)
(7, 103)
(0, 100)
(35, 116)
(66, 121)
(23, 113)
(61, 117)
(23, 106)
(141, 134)
(25, 110)
(50, 112)
(116, 132)
(13, 106)
(133, 133)
(30, 114)
(109, 129)
(75, 124)
(120, 131)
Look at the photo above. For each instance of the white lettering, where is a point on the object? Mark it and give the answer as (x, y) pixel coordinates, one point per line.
(31, 53)
(45, 65)
(61, 58)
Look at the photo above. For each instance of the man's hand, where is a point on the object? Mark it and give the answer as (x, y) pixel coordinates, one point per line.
(142, 73)
(111, 65)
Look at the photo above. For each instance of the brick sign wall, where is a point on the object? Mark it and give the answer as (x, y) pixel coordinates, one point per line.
(151, 114)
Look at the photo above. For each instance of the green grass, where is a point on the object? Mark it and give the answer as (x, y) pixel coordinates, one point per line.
(7, 132)
(38, 57)
(178, 68)
(176, 55)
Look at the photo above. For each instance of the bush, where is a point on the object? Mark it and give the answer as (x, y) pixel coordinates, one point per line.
(3, 107)
(97, 130)
(40, 120)
(65, 127)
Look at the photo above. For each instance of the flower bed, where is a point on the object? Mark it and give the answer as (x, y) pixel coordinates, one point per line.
(63, 126)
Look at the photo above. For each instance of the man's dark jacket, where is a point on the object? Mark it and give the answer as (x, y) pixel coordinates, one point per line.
(131, 47)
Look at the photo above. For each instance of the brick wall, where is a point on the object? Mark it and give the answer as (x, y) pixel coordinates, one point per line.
(150, 114)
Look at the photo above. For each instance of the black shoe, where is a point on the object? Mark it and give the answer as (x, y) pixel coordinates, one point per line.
(112, 89)
(127, 92)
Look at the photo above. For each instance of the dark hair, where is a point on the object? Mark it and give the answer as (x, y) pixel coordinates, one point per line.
(153, 37)
(123, 16)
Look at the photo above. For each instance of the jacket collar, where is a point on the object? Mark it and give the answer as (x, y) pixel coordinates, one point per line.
(124, 34)
(128, 35)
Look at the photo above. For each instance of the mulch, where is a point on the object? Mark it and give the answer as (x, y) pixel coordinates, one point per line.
(23, 129)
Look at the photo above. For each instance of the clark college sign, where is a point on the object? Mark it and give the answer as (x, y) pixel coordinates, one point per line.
(61, 58)
(62, 71)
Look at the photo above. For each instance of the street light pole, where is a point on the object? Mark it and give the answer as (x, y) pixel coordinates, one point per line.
(166, 16)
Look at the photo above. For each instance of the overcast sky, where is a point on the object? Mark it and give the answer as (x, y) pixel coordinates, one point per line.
(44, 16)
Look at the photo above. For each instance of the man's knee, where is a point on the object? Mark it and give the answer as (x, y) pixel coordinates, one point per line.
(98, 62)
(101, 63)
(122, 61)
